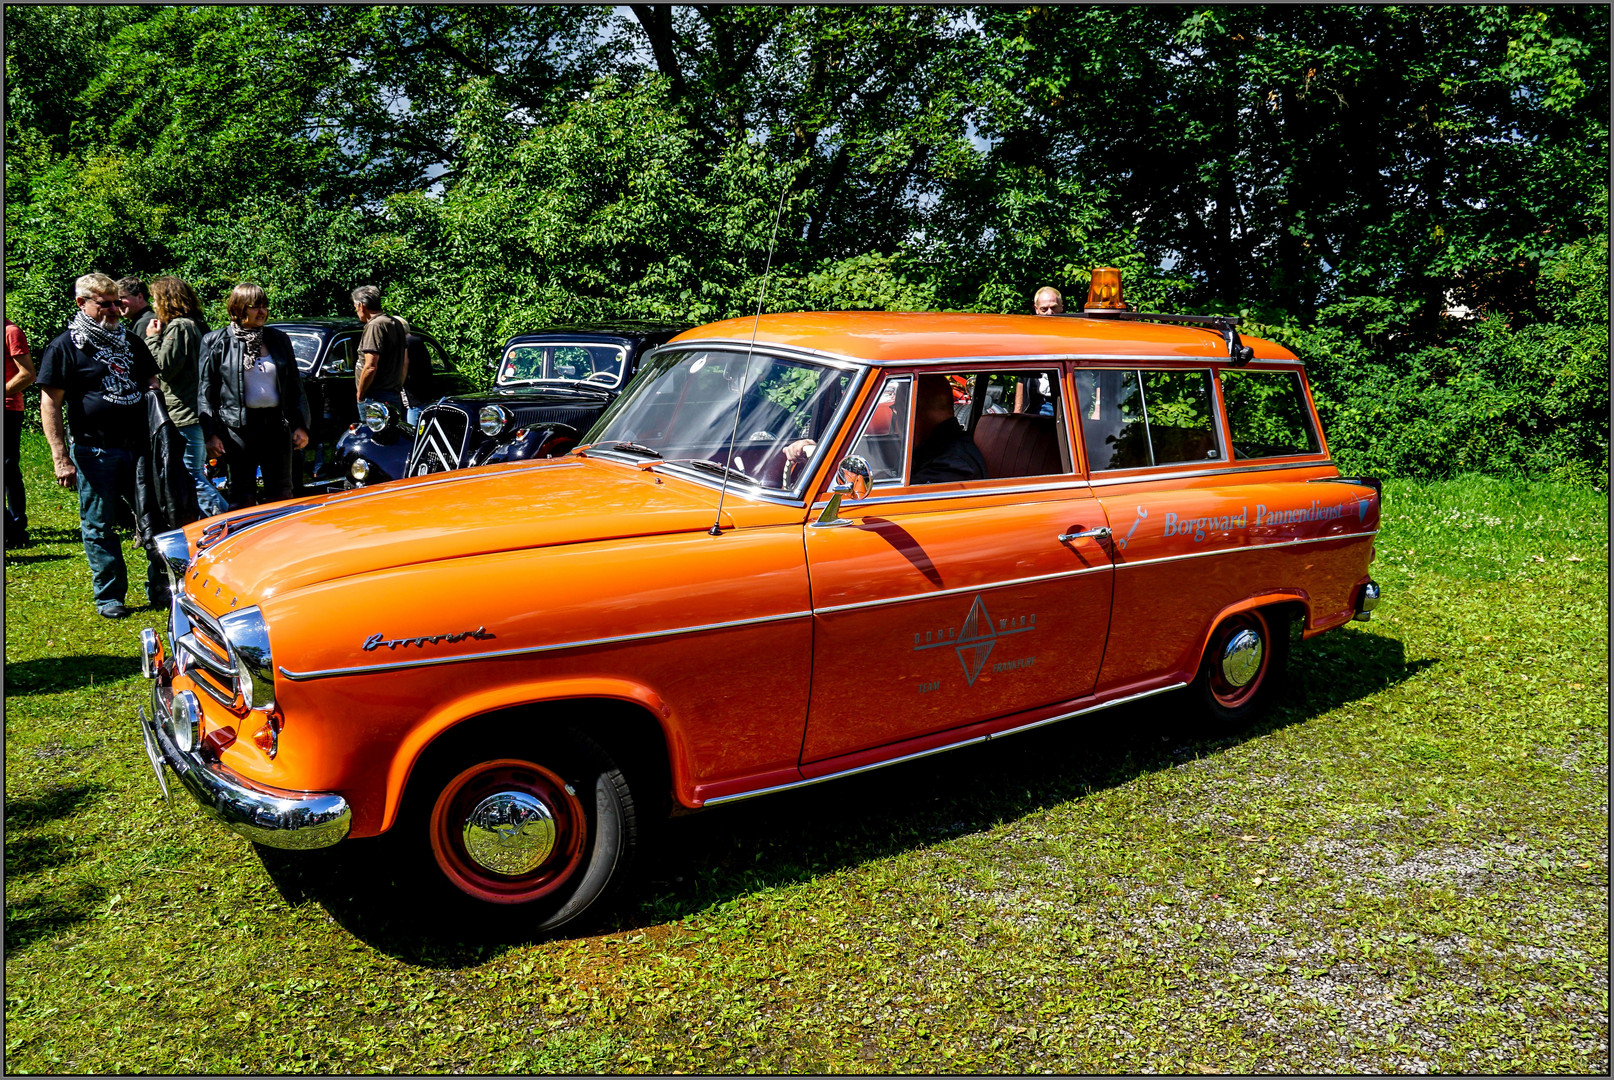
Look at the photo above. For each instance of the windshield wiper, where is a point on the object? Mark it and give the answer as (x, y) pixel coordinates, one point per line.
(713, 466)
(633, 448)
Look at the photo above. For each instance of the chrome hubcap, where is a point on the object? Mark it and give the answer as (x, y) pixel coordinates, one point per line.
(1241, 657)
(510, 833)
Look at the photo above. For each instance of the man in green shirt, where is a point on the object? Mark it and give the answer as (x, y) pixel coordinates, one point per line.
(383, 351)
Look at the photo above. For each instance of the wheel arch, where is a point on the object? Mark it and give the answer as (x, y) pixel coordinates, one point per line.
(1286, 603)
(629, 721)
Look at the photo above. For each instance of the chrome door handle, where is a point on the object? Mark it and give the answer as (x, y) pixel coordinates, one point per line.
(1100, 533)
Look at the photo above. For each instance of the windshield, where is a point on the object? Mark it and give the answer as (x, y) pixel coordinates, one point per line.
(306, 348)
(555, 361)
(682, 409)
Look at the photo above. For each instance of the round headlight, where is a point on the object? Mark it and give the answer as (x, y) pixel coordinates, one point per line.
(359, 469)
(493, 419)
(184, 722)
(377, 416)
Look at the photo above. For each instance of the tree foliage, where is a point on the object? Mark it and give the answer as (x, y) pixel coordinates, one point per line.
(1344, 177)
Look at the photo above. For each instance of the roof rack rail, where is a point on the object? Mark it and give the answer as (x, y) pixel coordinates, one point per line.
(1238, 353)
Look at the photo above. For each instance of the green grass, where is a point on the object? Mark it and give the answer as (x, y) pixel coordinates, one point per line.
(1404, 867)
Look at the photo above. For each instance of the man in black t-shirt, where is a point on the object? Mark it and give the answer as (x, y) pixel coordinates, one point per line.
(99, 371)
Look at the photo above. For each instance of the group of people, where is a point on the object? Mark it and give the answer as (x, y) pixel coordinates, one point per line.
(234, 393)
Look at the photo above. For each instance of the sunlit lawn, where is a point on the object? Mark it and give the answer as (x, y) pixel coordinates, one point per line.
(1404, 867)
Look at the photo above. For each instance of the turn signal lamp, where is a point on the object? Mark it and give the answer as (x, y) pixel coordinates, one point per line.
(1104, 291)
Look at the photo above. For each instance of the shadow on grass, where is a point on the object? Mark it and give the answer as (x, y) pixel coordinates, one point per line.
(58, 802)
(32, 554)
(50, 674)
(729, 851)
(46, 916)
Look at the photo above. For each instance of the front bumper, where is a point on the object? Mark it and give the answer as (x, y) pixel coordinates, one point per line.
(300, 820)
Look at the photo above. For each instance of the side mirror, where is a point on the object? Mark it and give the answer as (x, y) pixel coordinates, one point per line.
(854, 478)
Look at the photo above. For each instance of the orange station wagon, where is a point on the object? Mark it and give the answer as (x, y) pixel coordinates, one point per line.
(797, 548)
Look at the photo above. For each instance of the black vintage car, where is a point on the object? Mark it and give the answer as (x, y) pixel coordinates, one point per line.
(549, 386)
(327, 354)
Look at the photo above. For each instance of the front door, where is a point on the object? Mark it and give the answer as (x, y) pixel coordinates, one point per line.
(954, 601)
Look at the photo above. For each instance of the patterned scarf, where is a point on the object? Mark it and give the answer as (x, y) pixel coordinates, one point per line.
(113, 344)
(251, 344)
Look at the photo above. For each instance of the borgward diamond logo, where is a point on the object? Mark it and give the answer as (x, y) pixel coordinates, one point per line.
(975, 640)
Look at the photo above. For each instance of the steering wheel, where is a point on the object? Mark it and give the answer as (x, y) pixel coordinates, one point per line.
(601, 376)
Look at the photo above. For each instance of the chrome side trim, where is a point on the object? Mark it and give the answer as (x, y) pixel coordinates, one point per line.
(1186, 474)
(962, 589)
(499, 654)
(835, 360)
(1247, 547)
(793, 785)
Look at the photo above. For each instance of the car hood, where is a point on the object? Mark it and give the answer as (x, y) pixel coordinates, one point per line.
(444, 516)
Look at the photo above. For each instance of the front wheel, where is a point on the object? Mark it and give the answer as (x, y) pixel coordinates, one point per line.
(531, 839)
(1243, 666)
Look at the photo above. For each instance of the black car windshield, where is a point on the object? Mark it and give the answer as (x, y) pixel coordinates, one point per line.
(682, 405)
(562, 361)
(305, 347)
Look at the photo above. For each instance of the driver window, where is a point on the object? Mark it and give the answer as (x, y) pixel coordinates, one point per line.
(522, 362)
(340, 356)
(883, 441)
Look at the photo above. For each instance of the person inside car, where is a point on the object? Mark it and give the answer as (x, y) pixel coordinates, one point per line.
(943, 450)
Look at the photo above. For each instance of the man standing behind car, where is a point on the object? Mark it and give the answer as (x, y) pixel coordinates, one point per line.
(100, 372)
(383, 352)
(132, 302)
(1048, 301)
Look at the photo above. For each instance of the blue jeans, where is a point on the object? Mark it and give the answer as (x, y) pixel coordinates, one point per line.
(105, 479)
(196, 460)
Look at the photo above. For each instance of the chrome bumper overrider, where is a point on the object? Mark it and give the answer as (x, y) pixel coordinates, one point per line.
(1366, 600)
(268, 816)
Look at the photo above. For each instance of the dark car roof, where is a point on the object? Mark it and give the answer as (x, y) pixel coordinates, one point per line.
(348, 323)
(625, 329)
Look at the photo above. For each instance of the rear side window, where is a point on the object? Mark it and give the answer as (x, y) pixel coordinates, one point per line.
(1268, 414)
(1139, 419)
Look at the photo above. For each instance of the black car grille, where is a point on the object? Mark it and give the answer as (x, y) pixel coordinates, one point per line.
(537, 415)
(440, 440)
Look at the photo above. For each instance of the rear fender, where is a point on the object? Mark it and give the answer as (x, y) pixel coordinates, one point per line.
(1275, 598)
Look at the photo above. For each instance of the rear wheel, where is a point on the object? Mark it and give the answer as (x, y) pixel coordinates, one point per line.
(530, 839)
(1243, 665)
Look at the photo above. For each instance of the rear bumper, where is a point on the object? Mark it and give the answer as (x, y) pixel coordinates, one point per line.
(275, 818)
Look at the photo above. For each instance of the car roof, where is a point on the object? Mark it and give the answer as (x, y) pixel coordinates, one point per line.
(348, 323)
(887, 336)
(616, 328)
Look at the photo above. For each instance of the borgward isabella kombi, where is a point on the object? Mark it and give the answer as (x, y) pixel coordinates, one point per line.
(795, 548)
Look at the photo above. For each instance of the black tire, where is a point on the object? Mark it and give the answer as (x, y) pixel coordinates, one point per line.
(1237, 680)
(592, 832)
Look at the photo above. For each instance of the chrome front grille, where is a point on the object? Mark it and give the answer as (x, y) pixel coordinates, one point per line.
(203, 652)
(440, 440)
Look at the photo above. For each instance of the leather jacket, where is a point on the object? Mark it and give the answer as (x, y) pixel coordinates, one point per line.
(165, 490)
(223, 391)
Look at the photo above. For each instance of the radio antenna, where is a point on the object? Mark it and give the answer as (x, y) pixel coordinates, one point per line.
(745, 375)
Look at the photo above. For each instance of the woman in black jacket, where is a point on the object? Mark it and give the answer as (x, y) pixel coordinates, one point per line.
(252, 399)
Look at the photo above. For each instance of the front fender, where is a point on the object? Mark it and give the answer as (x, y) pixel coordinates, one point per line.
(386, 451)
(483, 702)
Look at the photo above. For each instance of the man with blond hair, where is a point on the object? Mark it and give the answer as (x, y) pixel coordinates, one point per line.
(97, 371)
(1048, 301)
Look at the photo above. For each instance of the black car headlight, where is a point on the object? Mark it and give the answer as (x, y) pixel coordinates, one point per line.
(246, 635)
(377, 415)
(494, 420)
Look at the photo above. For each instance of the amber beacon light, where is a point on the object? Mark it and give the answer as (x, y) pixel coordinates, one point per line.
(1104, 292)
